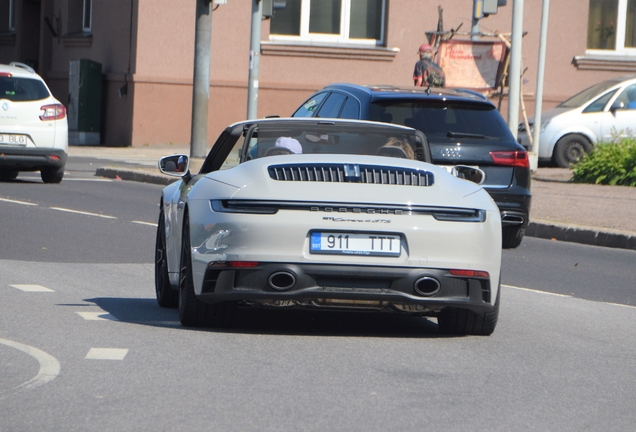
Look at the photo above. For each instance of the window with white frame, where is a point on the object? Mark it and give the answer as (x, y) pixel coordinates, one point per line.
(330, 21)
(612, 26)
(80, 16)
(11, 15)
(87, 15)
(7, 9)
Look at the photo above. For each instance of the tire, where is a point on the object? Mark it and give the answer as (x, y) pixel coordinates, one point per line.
(192, 311)
(8, 175)
(166, 296)
(570, 149)
(511, 237)
(454, 321)
(52, 175)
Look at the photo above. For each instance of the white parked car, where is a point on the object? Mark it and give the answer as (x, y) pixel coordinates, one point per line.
(602, 112)
(33, 126)
(327, 213)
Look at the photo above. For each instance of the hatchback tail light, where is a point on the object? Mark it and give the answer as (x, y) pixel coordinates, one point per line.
(517, 158)
(53, 112)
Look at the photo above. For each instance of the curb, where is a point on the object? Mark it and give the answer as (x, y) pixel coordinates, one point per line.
(580, 234)
(137, 176)
(539, 229)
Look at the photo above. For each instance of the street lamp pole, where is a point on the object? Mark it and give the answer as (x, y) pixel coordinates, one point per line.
(255, 60)
(514, 79)
(534, 149)
(201, 79)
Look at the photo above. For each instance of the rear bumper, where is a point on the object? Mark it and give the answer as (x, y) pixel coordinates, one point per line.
(31, 159)
(348, 286)
(514, 207)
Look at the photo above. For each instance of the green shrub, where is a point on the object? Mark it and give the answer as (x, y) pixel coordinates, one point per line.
(609, 164)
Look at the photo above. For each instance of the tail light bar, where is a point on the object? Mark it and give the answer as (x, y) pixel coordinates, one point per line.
(517, 158)
(6, 74)
(53, 112)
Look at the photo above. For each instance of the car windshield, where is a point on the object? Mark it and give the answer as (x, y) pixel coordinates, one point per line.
(280, 138)
(22, 89)
(588, 94)
(443, 118)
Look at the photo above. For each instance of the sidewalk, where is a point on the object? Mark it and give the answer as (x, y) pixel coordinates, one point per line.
(581, 213)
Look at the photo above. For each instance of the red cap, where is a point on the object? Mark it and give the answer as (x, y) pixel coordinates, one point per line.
(425, 48)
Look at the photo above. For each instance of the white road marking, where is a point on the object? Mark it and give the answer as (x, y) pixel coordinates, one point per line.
(83, 212)
(49, 366)
(88, 179)
(537, 291)
(17, 202)
(624, 305)
(145, 223)
(106, 353)
(97, 316)
(32, 288)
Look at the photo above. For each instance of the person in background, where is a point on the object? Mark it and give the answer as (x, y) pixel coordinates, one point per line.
(427, 72)
(396, 147)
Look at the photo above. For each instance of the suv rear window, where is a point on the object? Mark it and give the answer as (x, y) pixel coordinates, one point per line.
(438, 118)
(22, 89)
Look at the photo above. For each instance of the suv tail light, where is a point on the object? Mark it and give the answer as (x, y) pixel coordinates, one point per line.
(53, 112)
(517, 158)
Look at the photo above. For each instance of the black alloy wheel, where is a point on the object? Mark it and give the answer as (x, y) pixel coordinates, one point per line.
(192, 311)
(166, 296)
(461, 322)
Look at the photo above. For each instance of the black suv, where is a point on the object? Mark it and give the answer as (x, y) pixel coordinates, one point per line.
(462, 128)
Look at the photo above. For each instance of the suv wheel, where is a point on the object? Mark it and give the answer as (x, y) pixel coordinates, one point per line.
(511, 237)
(8, 175)
(52, 175)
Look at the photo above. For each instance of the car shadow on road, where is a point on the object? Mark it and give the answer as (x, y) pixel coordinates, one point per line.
(296, 322)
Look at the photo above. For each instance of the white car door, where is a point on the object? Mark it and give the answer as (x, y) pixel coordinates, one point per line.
(621, 122)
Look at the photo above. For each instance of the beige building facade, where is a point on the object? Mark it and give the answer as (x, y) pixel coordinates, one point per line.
(146, 50)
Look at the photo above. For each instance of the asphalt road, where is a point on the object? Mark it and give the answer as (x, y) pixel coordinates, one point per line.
(84, 346)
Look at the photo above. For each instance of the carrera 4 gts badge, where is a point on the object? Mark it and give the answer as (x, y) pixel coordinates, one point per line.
(337, 219)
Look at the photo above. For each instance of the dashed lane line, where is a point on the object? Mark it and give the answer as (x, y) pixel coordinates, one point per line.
(31, 288)
(537, 291)
(17, 202)
(145, 223)
(106, 353)
(49, 366)
(75, 211)
(83, 212)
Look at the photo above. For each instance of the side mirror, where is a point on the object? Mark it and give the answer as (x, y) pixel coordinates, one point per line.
(175, 165)
(616, 106)
(469, 173)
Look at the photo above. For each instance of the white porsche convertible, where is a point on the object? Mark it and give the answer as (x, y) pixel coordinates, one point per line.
(327, 214)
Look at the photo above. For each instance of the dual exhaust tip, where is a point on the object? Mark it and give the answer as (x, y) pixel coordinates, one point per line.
(283, 280)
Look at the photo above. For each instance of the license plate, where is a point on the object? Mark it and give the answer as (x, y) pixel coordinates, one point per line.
(343, 243)
(13, 139)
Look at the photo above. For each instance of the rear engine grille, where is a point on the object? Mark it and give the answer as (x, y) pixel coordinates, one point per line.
(351, 173)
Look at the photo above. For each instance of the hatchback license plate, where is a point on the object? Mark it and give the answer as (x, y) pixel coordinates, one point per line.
(343, 243)
(13, 139)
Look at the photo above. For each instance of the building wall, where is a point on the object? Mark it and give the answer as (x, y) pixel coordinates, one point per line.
(146, 48)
